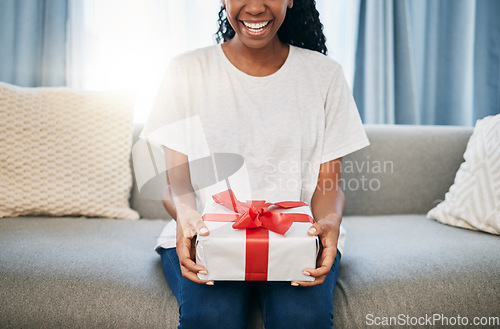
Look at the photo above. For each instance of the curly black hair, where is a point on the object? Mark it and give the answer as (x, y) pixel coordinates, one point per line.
(301, 27)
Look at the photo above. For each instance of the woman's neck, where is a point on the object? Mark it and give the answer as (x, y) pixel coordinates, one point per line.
(256, 61)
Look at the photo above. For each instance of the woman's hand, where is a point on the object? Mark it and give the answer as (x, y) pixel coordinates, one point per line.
(189, 223)
(327, 205)
(180, 202)
(328, 232)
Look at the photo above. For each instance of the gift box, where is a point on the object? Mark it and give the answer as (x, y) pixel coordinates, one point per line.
(256, 240)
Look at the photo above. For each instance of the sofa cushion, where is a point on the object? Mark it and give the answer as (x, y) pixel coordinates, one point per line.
(407, 264)
(404, 170)
(473, 200)
(65, 152)
(95, 273)
(81, 272)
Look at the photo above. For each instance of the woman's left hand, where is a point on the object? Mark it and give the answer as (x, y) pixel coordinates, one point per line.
(328, 232)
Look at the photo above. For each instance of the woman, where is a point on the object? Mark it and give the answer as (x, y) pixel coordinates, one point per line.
(269, 94)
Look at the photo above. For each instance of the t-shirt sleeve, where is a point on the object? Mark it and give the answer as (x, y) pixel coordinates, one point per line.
(166, 124)
(344, 131)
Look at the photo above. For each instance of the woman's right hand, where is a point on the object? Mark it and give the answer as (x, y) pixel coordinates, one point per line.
(189, 223)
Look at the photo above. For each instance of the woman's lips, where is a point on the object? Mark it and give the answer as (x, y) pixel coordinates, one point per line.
(256, 29)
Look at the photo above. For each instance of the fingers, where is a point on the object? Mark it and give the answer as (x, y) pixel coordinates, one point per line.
(191, 230)
(186, 256)
(326, 262)
(189, 268)
(328, 235)
(194, 277)
(315, 229)
(192, 223)
(317, 281)
(186, 251)
(202, 229)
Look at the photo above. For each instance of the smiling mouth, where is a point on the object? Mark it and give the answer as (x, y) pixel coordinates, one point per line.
(256, 28)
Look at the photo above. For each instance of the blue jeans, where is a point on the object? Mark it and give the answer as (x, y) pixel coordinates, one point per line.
(225, 305)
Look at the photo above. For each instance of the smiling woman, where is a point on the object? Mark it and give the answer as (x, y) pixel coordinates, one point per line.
(301, 21)
(256, 25)
(271, 74)
(259, 22)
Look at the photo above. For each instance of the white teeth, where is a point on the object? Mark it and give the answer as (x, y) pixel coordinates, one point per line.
(255, 26)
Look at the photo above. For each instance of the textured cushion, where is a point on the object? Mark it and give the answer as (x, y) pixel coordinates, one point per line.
(65, 152)
(473, 200)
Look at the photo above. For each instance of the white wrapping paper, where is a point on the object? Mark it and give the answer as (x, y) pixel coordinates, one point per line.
(223, 251)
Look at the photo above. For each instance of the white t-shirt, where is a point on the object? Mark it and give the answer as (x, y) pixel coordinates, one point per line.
(275, 131)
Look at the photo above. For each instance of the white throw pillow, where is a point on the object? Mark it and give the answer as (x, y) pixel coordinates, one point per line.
(473, 201)
(65, 152)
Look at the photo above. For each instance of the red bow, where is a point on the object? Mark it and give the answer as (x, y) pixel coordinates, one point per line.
(254, 214)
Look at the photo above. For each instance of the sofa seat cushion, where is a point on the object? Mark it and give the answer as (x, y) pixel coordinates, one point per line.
(416, 267)
(82, 273)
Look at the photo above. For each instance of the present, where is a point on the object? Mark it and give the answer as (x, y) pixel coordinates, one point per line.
(256, 240)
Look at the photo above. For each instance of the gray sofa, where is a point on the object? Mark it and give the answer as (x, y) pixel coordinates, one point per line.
(102, 273)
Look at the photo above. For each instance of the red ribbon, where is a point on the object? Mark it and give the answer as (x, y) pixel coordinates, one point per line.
(254, 216)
